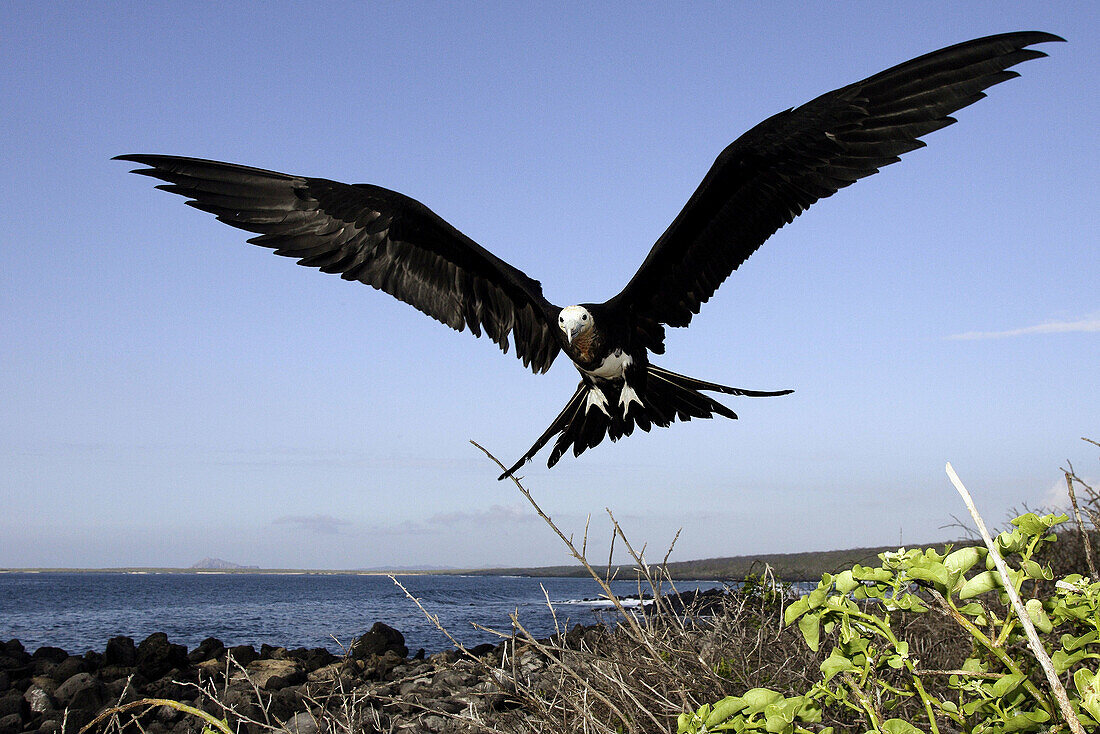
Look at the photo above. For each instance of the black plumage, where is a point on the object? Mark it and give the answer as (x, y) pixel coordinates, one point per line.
(760, 182)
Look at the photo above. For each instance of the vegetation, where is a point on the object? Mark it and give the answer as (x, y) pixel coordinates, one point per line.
(922, 640)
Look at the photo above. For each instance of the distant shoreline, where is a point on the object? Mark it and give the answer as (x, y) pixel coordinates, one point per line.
(791, 567)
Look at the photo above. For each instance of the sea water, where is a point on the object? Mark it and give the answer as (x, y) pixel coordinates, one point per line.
(80, 611)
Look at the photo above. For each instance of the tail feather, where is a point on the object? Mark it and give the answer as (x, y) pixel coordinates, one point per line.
(665, 397)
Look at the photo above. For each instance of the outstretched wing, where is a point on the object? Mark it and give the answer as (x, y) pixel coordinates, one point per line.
(772, 173)
(376, 236)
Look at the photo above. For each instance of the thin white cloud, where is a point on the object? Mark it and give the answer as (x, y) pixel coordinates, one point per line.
(317, 524)
(1049, 327)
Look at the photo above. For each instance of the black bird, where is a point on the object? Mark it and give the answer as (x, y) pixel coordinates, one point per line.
(762, 181)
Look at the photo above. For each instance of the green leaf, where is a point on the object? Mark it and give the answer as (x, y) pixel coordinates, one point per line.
(1026, 721)
(780, 715)
(1035, 571)
(980, 584)
(1038, 616)
(835, 663)
(963, 559)
(757, 699)
(1064, 661)
(1031, 524)
(796, 610)
(846, 582)
(1087, 682)
(723, 710)
(810, 626)
(1070, 643)
(973, 609)
(899, 726)
(1010, 542)
(1006, 685)
(934, 573)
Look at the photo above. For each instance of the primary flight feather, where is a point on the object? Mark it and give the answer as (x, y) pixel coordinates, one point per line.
(760, 182)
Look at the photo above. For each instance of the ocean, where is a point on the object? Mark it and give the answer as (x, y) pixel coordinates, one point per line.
(81, 611)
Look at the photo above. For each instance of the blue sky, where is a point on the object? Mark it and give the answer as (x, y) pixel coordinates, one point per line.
(172, 392)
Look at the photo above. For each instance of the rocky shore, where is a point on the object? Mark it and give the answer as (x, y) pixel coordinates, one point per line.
(376, 686)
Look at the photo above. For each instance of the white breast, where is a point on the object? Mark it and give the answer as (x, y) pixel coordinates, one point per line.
(613, 366)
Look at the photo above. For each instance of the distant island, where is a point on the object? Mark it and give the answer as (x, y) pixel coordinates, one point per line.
(219, 564)
(804, 566)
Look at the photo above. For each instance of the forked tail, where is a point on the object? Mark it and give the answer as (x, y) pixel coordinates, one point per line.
(664, 397)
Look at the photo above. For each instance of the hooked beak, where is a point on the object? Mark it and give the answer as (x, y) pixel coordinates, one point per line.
(573, 334)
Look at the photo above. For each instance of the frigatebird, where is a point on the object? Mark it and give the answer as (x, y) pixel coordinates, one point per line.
(760, 182)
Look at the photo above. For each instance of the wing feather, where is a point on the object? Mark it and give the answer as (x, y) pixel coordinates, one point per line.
(375, 236)
(779, 168)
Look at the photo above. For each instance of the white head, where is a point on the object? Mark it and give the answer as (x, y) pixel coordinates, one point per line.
(574, 320)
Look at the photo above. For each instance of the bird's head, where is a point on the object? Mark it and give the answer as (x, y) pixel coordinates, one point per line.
(574, 321)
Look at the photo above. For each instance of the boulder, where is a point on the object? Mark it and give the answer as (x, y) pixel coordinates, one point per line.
(208, 649)
(81, 691)
(45, 659)
(52, 654)
(120, 652)
(274, 674)
(302, 723)
(39, 698)
(68, 668)
(268, 651)
(10, 724)
(156, 656)
(13, 702)
(379, 640)
(313, 658)
(243, 654)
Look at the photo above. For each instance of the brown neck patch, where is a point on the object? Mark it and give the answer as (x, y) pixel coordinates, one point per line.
(585, 344)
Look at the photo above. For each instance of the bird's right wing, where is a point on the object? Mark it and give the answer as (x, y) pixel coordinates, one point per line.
(772, 173)
(376, 236)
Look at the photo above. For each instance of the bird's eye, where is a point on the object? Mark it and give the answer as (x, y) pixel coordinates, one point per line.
(561, 319)
(584, 318)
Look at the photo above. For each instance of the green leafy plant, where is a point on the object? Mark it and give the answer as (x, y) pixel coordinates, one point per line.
(870, 671)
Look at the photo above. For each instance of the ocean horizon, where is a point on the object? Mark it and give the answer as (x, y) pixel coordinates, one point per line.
(80, 610)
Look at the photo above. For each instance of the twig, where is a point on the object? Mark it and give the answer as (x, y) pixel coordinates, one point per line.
(1032, 636)
(150, 702)
(629, 723)
(1080, 524)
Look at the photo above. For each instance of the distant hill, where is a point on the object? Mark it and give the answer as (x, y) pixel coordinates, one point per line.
(806, 566)
(219, 564)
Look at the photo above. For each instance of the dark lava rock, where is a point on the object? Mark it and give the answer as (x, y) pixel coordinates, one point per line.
(81, 691)
(312, 658)
(45, 659)
(290, 678)
(208, 649)
(50, 654)
(268, 652)
(121, 652)
(77, 718)
(13, 702)
(244, 654)
(68, 668)
(40, 698)
(156, 656)
(10, 724)
(381, 639)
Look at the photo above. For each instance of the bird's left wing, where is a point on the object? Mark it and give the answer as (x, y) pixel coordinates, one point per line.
(772, 173)
(376, 236)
